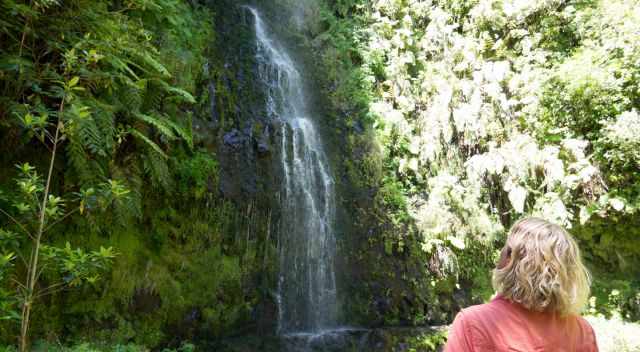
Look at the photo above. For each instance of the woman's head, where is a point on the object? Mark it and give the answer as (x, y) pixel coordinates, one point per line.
(541, 268)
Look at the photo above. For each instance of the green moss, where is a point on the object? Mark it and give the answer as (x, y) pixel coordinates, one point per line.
(155, 287)
(611, 243)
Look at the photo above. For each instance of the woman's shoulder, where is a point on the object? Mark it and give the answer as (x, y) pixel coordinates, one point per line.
(586, 328)
(501, 322)
(583, 322)
(484, 318)
(495, 317)
(497, 305)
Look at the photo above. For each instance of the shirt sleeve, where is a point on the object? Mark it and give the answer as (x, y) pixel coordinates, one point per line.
(459, 336)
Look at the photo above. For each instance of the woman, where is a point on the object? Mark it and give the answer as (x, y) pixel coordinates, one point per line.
(542, 285)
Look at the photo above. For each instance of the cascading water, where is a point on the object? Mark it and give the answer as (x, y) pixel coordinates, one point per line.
(307, 285)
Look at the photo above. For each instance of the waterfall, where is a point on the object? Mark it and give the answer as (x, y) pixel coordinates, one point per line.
(307, 246)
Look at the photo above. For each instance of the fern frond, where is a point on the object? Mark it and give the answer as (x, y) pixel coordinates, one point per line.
(152, 95)
(134, 201)
(159, 124)
(131, 175)
(121, 65)
(105, 122)
(129, 98)
(156, 166)
(78, 160)
(146, 61)
(185, 133)
(182, 95)
(91, 136)
(151, 144)
(179, 93)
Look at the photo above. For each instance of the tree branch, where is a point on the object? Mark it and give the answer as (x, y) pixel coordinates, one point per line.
(61, 219)
(49, 290)
(17, 223)
(21, 285)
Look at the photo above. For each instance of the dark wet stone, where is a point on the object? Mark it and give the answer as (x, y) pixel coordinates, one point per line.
(234, 138)
(263, 148)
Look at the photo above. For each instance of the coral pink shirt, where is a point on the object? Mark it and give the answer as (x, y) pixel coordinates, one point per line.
(503, 326)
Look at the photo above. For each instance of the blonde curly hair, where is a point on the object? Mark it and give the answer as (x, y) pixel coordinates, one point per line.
(542, 269)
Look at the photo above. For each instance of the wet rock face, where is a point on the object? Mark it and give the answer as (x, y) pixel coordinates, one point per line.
(234, 139)
(238, 121)
(246, 162)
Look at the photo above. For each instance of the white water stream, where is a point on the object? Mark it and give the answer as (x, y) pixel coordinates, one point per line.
(307, 245)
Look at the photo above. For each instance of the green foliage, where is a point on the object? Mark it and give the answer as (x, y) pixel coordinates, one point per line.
(593, 95)
(196, 175)
(35, 211)
(392, 197)
(427, 342)
(131, 82)
(162, 276)
(118, 81)
(76, 265)
(94, 347)
(614, 297)
(477, 113)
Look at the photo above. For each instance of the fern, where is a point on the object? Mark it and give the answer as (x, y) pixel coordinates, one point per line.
(137, 86)
(105, 122)
(182, 95)
(156, 166)
(91, 136)
(160, 124)
(146, 62)
(135, 184)
(129, 98)
(130, 174)
(179, 93)
(152, 94)
(151, 144)
(184, 133)
(78, 161)
(122, 66)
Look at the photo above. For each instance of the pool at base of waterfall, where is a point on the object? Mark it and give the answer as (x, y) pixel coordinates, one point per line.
(341, 339)
(345, 339)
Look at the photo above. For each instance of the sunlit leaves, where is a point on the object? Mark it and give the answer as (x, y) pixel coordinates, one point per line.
(7, 300)
(30, 186)
(76, 265)
(116, 189)
(473, 112)
(623, 137)
(44, 4)
(31, 121)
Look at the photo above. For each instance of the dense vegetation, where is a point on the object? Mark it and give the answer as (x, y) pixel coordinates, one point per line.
(482, 111)
(143, 152)
(133, 69)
